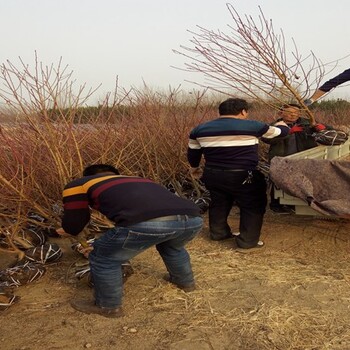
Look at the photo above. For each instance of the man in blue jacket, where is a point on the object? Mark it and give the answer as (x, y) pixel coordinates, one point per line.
(229, 145)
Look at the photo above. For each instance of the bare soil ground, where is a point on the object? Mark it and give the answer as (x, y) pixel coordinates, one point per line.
(293, 294)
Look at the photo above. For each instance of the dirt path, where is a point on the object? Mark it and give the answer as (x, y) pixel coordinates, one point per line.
(292, 295)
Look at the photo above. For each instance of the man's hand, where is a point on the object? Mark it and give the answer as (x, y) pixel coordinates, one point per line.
(296, 128)
(84, 247)
(196, 173)
(60, 231)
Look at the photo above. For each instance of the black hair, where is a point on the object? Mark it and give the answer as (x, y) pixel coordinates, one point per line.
(287, 105)
(233, 106)
(100, 168)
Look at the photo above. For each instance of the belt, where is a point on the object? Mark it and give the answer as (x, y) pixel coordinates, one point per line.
(171, 218)
(228, 169)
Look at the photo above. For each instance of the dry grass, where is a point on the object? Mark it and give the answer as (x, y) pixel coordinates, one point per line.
(291, 295)
(278, 299)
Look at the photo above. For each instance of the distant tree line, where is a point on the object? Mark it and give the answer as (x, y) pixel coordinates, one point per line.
(113, 114)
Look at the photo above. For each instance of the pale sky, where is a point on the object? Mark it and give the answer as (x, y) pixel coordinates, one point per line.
(134, 39)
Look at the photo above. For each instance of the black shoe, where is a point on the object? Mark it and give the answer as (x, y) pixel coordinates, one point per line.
(190, 287)
(283, 209)
(89, 307)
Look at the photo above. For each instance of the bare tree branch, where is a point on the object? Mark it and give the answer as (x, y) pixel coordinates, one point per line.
(252, 59)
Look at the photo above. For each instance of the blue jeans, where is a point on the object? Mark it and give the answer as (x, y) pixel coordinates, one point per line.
(120, 244)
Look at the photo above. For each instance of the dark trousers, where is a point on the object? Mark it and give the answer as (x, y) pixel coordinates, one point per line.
(230, 187)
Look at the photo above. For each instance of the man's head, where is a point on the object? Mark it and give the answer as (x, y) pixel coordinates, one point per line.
(290, 113)
(100, 168)
(234, 106)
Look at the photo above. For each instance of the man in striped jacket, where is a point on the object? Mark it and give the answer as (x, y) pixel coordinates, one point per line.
(229, 145)
(146, 214)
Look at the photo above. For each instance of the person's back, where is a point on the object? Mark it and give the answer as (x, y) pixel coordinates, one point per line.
(125, 200)
(230, 143)
(230, 148)
(146, 214)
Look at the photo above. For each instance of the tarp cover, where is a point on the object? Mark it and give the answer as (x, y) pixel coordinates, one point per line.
(324, 184)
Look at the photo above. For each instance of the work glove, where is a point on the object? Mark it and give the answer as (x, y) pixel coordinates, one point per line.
(296, 128)
(319, 127)
(308, 102)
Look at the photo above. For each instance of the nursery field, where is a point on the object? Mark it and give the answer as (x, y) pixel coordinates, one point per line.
(293, 294)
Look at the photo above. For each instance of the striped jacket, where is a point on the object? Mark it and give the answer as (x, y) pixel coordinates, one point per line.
(123, 199)
(230, 142)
